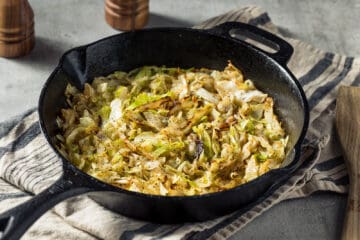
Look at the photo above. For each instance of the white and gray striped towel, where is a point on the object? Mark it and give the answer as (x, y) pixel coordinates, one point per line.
(27, 164)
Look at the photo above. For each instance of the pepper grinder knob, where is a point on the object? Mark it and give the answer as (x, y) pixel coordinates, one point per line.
(16, 28)
(127, 15)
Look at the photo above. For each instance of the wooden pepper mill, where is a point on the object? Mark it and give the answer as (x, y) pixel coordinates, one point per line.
(127, 15)
(16, 28)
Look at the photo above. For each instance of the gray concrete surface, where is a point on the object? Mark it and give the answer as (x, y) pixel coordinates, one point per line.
(332, 25)
(318, 217)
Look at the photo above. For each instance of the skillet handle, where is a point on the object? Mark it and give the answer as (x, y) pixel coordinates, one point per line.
(15, 221)
(232, 30)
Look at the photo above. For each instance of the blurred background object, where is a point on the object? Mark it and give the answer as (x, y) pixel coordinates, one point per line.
(16, 28)
(127, 15)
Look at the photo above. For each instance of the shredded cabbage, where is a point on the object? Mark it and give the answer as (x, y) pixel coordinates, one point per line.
(172, 131)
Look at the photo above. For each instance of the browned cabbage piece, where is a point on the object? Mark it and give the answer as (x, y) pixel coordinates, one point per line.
(172, 131)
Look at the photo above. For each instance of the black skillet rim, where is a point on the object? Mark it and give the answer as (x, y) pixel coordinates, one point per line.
(284, 172)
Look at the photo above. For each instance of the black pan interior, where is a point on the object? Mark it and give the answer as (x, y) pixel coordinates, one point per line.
(184, 48)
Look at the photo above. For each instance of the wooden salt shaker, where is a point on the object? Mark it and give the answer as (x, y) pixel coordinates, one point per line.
(127, 15)
(16, 28)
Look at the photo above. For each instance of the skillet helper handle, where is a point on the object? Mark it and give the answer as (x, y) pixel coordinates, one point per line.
(283, 49)
(15, 221)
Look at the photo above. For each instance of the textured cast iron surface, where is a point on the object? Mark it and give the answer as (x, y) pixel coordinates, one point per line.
(184, 48)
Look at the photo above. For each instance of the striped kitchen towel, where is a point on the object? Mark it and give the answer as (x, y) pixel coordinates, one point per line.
(28, 165)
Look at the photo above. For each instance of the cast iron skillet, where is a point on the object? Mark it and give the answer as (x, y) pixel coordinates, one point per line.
(171, 47)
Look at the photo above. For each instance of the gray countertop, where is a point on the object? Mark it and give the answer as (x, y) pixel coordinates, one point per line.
(330, 25)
